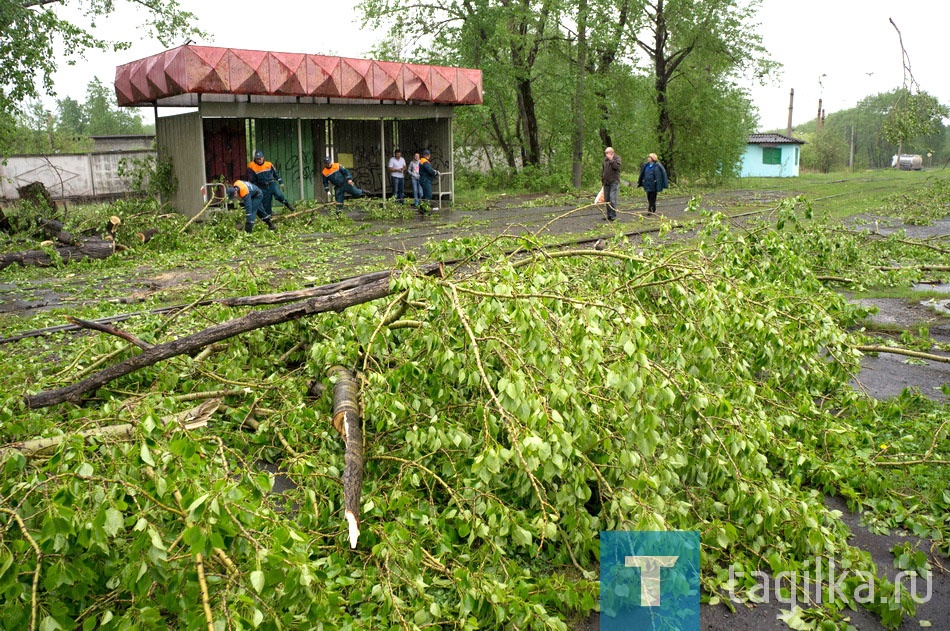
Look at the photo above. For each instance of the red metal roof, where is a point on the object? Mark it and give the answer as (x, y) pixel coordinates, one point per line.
(191, 69)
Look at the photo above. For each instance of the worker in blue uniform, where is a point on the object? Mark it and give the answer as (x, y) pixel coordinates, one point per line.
(264, 174)
(336, 174)
(251, 196)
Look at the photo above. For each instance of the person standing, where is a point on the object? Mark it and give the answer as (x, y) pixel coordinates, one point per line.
(426, 174)
(337, 174)
(610, 178)
(264, 174)
(414, 176)
(653, 179)
(397, 175)
(251, 197)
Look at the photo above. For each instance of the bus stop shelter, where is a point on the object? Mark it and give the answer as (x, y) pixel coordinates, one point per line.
(296, 108)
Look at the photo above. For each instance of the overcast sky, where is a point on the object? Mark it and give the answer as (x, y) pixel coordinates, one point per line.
(836, 50)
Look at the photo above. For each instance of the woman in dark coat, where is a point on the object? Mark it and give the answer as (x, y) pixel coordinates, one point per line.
(653, 180)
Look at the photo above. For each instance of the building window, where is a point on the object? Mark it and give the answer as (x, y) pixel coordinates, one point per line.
(771, 155)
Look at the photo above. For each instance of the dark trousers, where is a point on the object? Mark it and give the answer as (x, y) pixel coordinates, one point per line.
(254, 208)
(341, 191)
(651, 201)
(271, 193)
(611, 196)
(399, 187)
(426, 186)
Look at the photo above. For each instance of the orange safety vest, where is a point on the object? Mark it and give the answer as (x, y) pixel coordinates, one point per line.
(242, 188)
(330, 170)
(258, 168)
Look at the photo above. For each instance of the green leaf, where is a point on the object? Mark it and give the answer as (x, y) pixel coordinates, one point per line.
(114, 522)
(257, 581)
(146, 455)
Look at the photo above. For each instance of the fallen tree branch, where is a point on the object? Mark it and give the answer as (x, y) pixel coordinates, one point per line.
(189, 419)
(903, 351)
(347, 421)
(302, 294)
(191, 343)
(111, 330)
(917, 268)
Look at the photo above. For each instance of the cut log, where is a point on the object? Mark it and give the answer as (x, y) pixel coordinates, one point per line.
(54, 229)
(146, 235)
(192, 343)
(347, 421)
(112, 226)
(91, 249)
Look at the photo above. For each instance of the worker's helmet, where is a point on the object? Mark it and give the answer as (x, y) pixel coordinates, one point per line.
(231, 191)
(258, 154)
(328, 160)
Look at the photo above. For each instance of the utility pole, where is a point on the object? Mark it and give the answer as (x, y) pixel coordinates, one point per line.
(791, 102)
(818, 120)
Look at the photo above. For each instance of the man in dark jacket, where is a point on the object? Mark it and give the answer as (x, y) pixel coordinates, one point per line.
(426, 174)
(250, 195)
(336, 174)
(264, 174)
(610, 178)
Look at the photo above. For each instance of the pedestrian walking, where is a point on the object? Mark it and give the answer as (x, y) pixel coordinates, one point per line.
(653, 180)
(610, 178)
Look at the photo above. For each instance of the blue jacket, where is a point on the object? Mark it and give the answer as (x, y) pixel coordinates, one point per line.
(653, 177)
(426, 171)
(335, 174)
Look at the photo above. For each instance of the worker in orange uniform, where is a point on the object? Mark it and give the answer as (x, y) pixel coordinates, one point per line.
(337, 174)
(265, 176)
(251, 196)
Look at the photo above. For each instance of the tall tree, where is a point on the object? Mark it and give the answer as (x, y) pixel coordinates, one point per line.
(507, 39)
(719, 34)
(30, 31)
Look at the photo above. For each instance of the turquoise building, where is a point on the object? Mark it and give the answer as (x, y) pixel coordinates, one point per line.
(771, 155)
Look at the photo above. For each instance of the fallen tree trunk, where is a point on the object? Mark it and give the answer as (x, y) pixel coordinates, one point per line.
(347, 421)
(91, 249)
(54, 229)
(190, 343)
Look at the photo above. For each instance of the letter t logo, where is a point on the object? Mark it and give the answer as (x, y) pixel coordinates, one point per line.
(649, 576)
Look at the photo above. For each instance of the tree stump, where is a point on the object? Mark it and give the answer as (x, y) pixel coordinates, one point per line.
(37, 195)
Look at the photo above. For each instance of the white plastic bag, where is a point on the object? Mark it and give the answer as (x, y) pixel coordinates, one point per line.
(600, 197)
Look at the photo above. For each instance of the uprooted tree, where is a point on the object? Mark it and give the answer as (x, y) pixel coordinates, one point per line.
(509, 412)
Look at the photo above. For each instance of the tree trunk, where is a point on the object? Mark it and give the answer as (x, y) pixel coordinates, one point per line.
(347, 421)
(529, 119)
(92, 249)
(580, 89)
